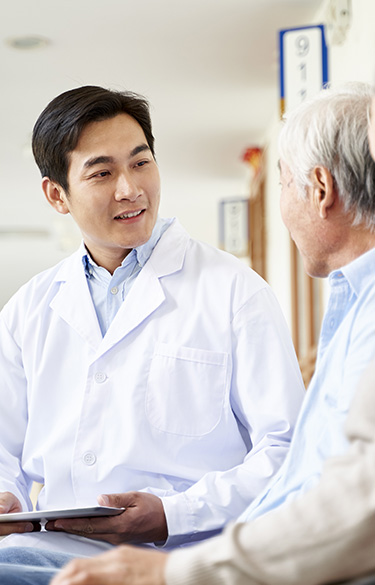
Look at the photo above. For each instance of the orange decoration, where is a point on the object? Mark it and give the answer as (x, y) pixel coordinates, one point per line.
(253, 156)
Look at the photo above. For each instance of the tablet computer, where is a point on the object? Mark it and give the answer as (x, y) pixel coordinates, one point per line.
(41, 515)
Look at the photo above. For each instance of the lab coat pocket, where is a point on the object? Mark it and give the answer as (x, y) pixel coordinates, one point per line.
(186, 389)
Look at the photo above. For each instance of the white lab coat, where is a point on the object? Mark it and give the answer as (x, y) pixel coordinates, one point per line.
(192, 394)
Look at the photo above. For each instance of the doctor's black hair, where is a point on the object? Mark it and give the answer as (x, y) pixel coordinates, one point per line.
(59, 126)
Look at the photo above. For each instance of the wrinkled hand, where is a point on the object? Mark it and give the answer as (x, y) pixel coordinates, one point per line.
(8, 504)
(125, 565)
(142, 521)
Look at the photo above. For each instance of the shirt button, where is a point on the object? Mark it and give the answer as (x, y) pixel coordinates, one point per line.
(100, 377)
(114, 290)
(332, 323)
(89, 458)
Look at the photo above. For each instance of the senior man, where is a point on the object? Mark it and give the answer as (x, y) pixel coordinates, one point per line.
(320, 525)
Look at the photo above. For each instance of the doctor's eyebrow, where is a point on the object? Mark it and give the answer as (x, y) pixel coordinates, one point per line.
(138, 149)
(98, 160)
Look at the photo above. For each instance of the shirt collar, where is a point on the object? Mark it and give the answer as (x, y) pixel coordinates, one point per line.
(357, 273)
(141, 253)
(144, 251)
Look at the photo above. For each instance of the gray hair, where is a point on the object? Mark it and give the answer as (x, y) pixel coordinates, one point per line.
(330, 130)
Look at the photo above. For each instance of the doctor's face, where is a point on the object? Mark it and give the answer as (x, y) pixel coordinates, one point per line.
(114, 189)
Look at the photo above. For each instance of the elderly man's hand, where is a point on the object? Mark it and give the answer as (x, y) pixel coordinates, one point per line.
(142, 521)
(124, 565)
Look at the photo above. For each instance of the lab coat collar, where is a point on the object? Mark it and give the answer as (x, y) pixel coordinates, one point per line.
(74, 304)
(73, 301)
(169, 253)
(147, 293)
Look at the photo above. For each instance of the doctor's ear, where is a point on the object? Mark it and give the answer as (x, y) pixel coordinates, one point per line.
(55, 195)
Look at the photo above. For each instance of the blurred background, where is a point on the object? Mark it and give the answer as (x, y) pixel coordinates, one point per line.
(210, 69)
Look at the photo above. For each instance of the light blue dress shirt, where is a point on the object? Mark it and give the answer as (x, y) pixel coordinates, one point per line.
(347, 344)
(108, 290)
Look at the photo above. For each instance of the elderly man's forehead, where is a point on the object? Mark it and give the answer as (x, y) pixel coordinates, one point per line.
(371, 128)
(282, 166)
(371, 113)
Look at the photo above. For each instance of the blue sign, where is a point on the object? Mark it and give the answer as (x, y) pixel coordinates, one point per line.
(303, 64)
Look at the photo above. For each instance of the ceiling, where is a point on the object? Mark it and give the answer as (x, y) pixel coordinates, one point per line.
(208, 67)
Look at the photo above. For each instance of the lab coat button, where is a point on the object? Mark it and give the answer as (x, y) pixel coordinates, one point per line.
(89, 458)
(100, 377)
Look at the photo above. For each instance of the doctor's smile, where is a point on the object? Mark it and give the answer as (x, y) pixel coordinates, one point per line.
(130, 215)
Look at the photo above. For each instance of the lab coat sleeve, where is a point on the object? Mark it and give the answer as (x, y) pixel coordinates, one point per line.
(266, 394)
(13, 399)
(327, 534)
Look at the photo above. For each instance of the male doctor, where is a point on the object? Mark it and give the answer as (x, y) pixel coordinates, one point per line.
(148, 370)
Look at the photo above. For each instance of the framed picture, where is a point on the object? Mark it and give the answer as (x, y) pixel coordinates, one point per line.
(234, 225)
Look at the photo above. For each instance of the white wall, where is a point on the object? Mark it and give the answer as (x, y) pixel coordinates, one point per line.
(354, 60)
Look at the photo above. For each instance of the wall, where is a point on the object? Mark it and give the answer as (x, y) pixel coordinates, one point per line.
(354, 60)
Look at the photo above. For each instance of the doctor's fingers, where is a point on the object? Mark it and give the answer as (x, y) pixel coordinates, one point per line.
(119, 534)
(17, 528)
(143, 519)
(9, 503)
(87, 526)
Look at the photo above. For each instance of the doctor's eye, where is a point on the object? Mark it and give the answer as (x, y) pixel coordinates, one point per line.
(141, 163)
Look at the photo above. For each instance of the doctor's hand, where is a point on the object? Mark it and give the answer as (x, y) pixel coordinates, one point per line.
(143, 520)
(125, 565)
(8, 504)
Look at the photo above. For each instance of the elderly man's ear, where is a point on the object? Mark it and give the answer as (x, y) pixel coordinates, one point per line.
(55, 195)
(323, 190)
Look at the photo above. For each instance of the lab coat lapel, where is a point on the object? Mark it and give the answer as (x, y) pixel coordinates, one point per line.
(73, 301)
(147, 294)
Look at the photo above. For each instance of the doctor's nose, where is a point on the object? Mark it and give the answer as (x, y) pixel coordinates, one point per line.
(126, 188)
